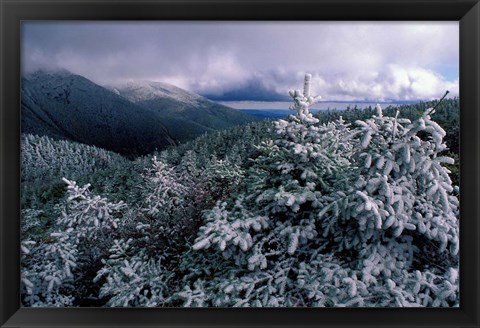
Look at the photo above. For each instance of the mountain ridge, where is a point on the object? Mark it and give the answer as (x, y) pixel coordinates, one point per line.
(184, 113)
(132, 119)
(68, 106)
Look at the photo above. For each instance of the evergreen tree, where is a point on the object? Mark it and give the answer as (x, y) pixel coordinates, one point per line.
(334, 216)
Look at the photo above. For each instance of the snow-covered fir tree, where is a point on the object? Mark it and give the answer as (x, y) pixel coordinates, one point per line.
(335, 216)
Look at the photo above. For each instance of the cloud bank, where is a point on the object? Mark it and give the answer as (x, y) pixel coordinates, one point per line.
(348, 60)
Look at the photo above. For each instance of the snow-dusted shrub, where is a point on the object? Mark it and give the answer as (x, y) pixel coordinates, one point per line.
(218, 181)
(55, 270)
(168, 202)
(397, 211)
(140, 265)
(133, 278)
(163, 191)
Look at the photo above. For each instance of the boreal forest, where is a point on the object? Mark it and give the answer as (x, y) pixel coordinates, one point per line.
(341, 208)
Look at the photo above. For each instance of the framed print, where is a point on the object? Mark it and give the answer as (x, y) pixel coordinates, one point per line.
(239, 163)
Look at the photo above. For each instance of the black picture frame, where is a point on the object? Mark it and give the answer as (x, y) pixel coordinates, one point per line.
(13, 12)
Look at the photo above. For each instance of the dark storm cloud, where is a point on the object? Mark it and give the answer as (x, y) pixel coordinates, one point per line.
(348, 60)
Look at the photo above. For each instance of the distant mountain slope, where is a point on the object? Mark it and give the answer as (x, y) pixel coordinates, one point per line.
(186, 115)
(272, 114)
(63, 105)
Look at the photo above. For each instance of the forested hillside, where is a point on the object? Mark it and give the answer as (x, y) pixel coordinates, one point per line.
(342, 209)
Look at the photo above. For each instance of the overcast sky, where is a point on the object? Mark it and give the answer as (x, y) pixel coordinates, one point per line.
(349, 60)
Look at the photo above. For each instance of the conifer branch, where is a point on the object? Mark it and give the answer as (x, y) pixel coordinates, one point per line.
(439, 102)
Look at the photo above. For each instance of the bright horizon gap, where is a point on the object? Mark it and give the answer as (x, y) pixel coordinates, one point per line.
(321, 105)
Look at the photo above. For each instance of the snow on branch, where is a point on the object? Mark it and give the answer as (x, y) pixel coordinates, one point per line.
(302, 101)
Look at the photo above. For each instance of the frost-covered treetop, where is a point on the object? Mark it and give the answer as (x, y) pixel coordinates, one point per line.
(302, 101)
